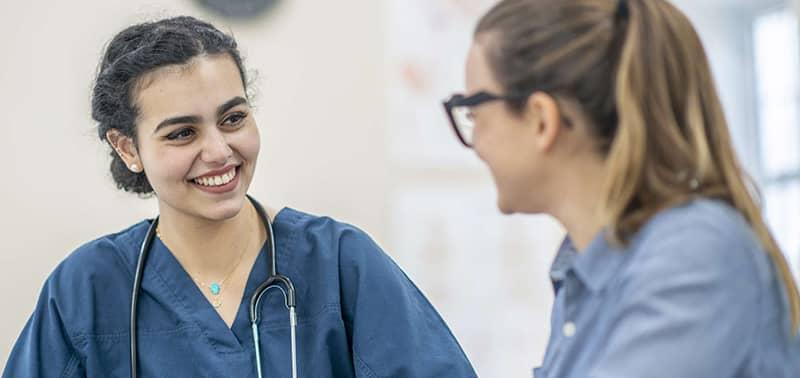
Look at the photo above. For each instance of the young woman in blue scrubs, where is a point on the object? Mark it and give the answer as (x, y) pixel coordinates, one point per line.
(604, 115)
(171, 99)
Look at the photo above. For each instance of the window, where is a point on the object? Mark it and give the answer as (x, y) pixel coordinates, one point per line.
(777, 65)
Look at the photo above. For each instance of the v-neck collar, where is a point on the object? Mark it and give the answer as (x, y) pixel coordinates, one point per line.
(170, 276)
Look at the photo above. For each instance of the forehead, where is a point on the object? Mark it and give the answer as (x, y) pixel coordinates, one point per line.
(479, 75)
(196, 87)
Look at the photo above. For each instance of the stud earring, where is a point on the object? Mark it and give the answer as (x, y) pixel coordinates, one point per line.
(135, 168)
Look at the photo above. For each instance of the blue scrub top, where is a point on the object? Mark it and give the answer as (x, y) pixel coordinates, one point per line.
(693, 295)
(358, 314)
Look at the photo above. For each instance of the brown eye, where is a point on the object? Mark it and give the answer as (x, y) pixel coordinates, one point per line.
(234, 119)
(181, 134)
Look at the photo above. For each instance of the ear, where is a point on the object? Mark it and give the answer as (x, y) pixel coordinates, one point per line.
(126, 150)
(545, 116)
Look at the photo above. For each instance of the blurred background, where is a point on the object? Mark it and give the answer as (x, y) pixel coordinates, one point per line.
(348, 102)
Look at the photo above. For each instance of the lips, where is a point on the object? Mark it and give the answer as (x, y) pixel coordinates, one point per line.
(219, 181)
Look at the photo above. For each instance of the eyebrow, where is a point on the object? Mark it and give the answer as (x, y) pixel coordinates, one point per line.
(222, 109)
(238, 100)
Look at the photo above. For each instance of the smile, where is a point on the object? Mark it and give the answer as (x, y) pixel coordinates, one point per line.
(218, 180)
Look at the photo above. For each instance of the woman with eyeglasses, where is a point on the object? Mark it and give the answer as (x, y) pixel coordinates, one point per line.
(604, 115)
(171, 100)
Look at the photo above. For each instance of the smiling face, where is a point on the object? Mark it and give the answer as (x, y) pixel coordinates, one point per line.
(507, 142)
(197, 140)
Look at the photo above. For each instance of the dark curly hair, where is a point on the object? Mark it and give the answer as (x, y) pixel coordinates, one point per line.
(132, 53)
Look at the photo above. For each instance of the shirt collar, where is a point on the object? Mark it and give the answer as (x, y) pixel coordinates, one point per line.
(594, 267)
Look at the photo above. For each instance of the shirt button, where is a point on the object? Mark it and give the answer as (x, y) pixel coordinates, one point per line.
(569, 329)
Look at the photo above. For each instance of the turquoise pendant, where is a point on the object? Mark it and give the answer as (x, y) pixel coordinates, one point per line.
(215, 289)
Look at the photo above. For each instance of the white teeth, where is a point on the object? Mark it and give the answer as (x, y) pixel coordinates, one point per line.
(216, 180)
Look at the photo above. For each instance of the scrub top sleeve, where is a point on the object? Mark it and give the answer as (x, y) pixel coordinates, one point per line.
(688, 309)
(44, 348)
(394, 331)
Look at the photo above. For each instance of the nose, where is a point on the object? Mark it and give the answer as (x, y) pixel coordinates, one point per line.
(216, 149)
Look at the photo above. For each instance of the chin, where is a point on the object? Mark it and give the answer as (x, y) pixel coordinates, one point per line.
(505, 206)
(226, 209)
(223, 214)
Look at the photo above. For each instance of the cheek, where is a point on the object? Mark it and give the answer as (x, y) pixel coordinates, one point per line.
(489, 131)
(248, 143)
(166, 164)
(490, 123)
(500, 143)
(170, 167)
(481, 126)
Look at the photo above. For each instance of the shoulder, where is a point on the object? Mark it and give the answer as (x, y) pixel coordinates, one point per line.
(699, 217)
(113, 253)
(704, 234)
(701, 252)
(94, 273)
(336, 250)
(324, 233)
(316, 225)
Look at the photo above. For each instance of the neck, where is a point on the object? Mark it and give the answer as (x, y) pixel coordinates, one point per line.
(208, 248)
(577, 201)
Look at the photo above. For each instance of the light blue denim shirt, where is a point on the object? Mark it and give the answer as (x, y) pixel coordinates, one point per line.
(692, 295)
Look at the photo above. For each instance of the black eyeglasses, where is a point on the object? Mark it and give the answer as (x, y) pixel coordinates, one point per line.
(459, 111)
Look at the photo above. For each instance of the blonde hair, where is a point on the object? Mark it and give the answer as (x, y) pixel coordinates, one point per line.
(642, 78)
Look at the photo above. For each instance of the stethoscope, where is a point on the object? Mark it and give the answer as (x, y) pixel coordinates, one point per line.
(274, 280)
